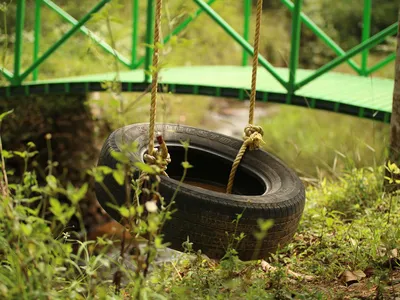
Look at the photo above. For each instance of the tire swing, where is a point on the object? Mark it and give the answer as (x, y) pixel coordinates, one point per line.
(225, 180)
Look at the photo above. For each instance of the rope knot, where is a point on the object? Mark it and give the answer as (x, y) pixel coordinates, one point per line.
(159, 158)
(158, 161)
(253, 136)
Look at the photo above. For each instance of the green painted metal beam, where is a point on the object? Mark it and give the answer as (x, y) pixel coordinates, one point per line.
(61, 41)
(149, 40)
(239, 39)
(322, 35)
(295, 47)
(366, 31)
(135, 31)
(176, 31)
(186, 22)
(391, 57)
(246, 28)
(36, 32)
(371, 42)
(106, 47)
(7, 74)
(19, 27)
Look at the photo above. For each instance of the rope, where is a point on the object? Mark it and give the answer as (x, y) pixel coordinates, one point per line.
(158, 159)
(252, 134)
(154, 88)
(255, 62)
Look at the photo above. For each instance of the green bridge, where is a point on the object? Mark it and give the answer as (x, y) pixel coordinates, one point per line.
(361, 94)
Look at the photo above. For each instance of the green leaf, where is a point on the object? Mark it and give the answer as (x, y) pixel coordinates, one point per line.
(7, 154)
(265, 224)
(186, 165)
(124, 212)
(144, 167)
(119, 176)
(329, 222)
(185, 144)
(132, 211)
(121, 157)
(26, 229)
(51, 181)
(32, 154)
(78, 195)
(105, 170)
(158, 242)
(5, 114)
(140, 209)
(98, 177)
(20, 154)
(31, 145)
(55, 207)
(259, 235)
(388, 179)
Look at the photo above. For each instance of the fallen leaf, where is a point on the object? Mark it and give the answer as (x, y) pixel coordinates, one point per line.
(266, 266)
(301, 276)
(349, 278)
(360, 274)
(382, 251)
(393, 253)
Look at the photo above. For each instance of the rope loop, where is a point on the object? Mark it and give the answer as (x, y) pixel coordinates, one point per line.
(159, 160)
(253, 136)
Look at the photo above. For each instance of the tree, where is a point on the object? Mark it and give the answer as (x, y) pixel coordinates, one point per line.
(394, 154)
(395, 120)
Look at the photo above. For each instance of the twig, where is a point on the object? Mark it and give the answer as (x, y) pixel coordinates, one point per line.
(177, 272)
(4, 182)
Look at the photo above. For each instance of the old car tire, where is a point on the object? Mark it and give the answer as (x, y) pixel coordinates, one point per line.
(264, 189)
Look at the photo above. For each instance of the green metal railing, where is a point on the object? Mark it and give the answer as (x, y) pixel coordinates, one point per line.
(17, 77)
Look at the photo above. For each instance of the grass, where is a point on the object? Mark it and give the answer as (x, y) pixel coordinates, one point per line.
(349, 226)
(319, 144)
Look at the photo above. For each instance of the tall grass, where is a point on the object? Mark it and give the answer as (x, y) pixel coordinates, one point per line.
(318, 143)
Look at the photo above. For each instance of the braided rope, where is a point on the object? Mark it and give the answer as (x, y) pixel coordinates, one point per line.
(252, 134)
(158, 159)
(154, 88)
(255, 62)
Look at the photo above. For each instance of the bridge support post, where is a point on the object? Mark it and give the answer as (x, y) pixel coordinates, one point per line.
(135, 31)
(36, 42)
(149, 40)
(246, 28)
(294, 51)
(394, 150)
(365, 35)
(20, 18)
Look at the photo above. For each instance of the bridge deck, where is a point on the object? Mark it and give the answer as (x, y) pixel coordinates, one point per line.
(367, 97)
